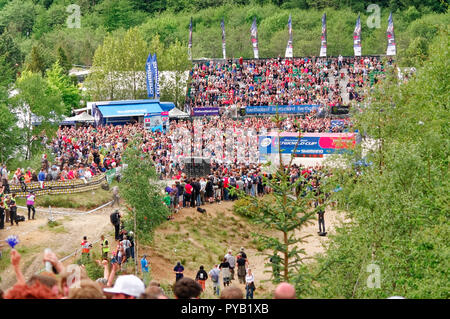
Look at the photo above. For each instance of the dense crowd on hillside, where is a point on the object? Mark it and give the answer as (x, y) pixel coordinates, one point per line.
(86, 151)
(278, 81)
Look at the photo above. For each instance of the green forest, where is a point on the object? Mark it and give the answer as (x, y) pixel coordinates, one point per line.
(43, 30)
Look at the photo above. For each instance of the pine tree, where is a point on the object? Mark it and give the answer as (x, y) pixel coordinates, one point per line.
(37, 61)
(64, 61)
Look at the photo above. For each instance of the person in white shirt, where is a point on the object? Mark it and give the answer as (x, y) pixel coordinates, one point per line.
(249, 284)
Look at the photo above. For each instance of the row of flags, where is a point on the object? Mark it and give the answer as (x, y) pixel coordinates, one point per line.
(152, 76)
(391, 49)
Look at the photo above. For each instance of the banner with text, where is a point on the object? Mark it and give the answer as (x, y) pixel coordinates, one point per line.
(149, 76)
(357, 37)
(254, 38)
(289, 50)
(222, 25)
(205, 111)
(323, 38)
(156, 75)
(310, 143)
(282, 109)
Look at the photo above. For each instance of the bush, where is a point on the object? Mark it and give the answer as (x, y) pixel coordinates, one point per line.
(242, 208)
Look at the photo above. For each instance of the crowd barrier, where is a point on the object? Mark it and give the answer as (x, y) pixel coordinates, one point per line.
(60, 187)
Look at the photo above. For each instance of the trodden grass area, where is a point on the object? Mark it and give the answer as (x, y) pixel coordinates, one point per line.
(85, 200)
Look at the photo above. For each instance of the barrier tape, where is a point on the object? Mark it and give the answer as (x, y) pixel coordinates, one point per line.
(69, 213)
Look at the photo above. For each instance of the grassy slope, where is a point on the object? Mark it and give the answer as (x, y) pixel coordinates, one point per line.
(196, 239)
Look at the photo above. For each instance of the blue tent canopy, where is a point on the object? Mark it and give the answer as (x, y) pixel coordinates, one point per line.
(132, 109)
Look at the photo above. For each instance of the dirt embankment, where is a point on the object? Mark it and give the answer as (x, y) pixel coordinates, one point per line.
(191, 227)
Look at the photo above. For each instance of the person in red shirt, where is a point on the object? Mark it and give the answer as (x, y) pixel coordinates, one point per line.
(187, 193)
(85, 248)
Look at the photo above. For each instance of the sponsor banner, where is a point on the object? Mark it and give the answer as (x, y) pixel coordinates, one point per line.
(289, 51)
(391, 48)
(254, 38)
(110, 175)
(222, 25)
(310, 143)
(272, 109)
(156, 75)
(149, 76)
(153, 121)
(357, 37)
(323, 38)
(205, 111)
(336, 123)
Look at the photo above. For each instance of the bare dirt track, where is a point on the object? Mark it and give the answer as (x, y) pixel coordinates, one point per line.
(35, 236)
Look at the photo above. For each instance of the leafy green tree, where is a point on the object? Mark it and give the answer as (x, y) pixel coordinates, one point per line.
(103, 81)
(177, 61)
(18, 17)
(62, 85)
(397, 207)
(36, 99)
(134, 64)
(119, 67)
(140, 189)
(10, 136)
(11, 53)
(117, 14)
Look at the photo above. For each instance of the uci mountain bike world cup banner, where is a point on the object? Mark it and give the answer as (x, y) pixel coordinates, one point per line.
(310, 143)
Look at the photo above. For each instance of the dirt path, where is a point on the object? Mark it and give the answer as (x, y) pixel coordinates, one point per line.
(35, 236)
(161, 268)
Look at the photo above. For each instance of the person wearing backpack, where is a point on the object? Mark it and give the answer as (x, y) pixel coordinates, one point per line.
(215, 275)
(201, 277)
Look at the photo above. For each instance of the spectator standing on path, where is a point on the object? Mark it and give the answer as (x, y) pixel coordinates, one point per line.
(131, 239)
(178, 269)
(249, 284)
(226, 274)
(126, 246)
(201, 277)
(321, 218)
(85, 249)
(144, 268)
(41, 178)
(115, 220)
(232, 261)
(30, 204)
(2, 214)
(105, 247)
(13, 210)
(116, 198)
(241, 263)
(215, 278)
(6, 204)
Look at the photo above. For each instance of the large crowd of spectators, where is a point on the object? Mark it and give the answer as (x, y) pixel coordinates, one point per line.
(279, 81)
